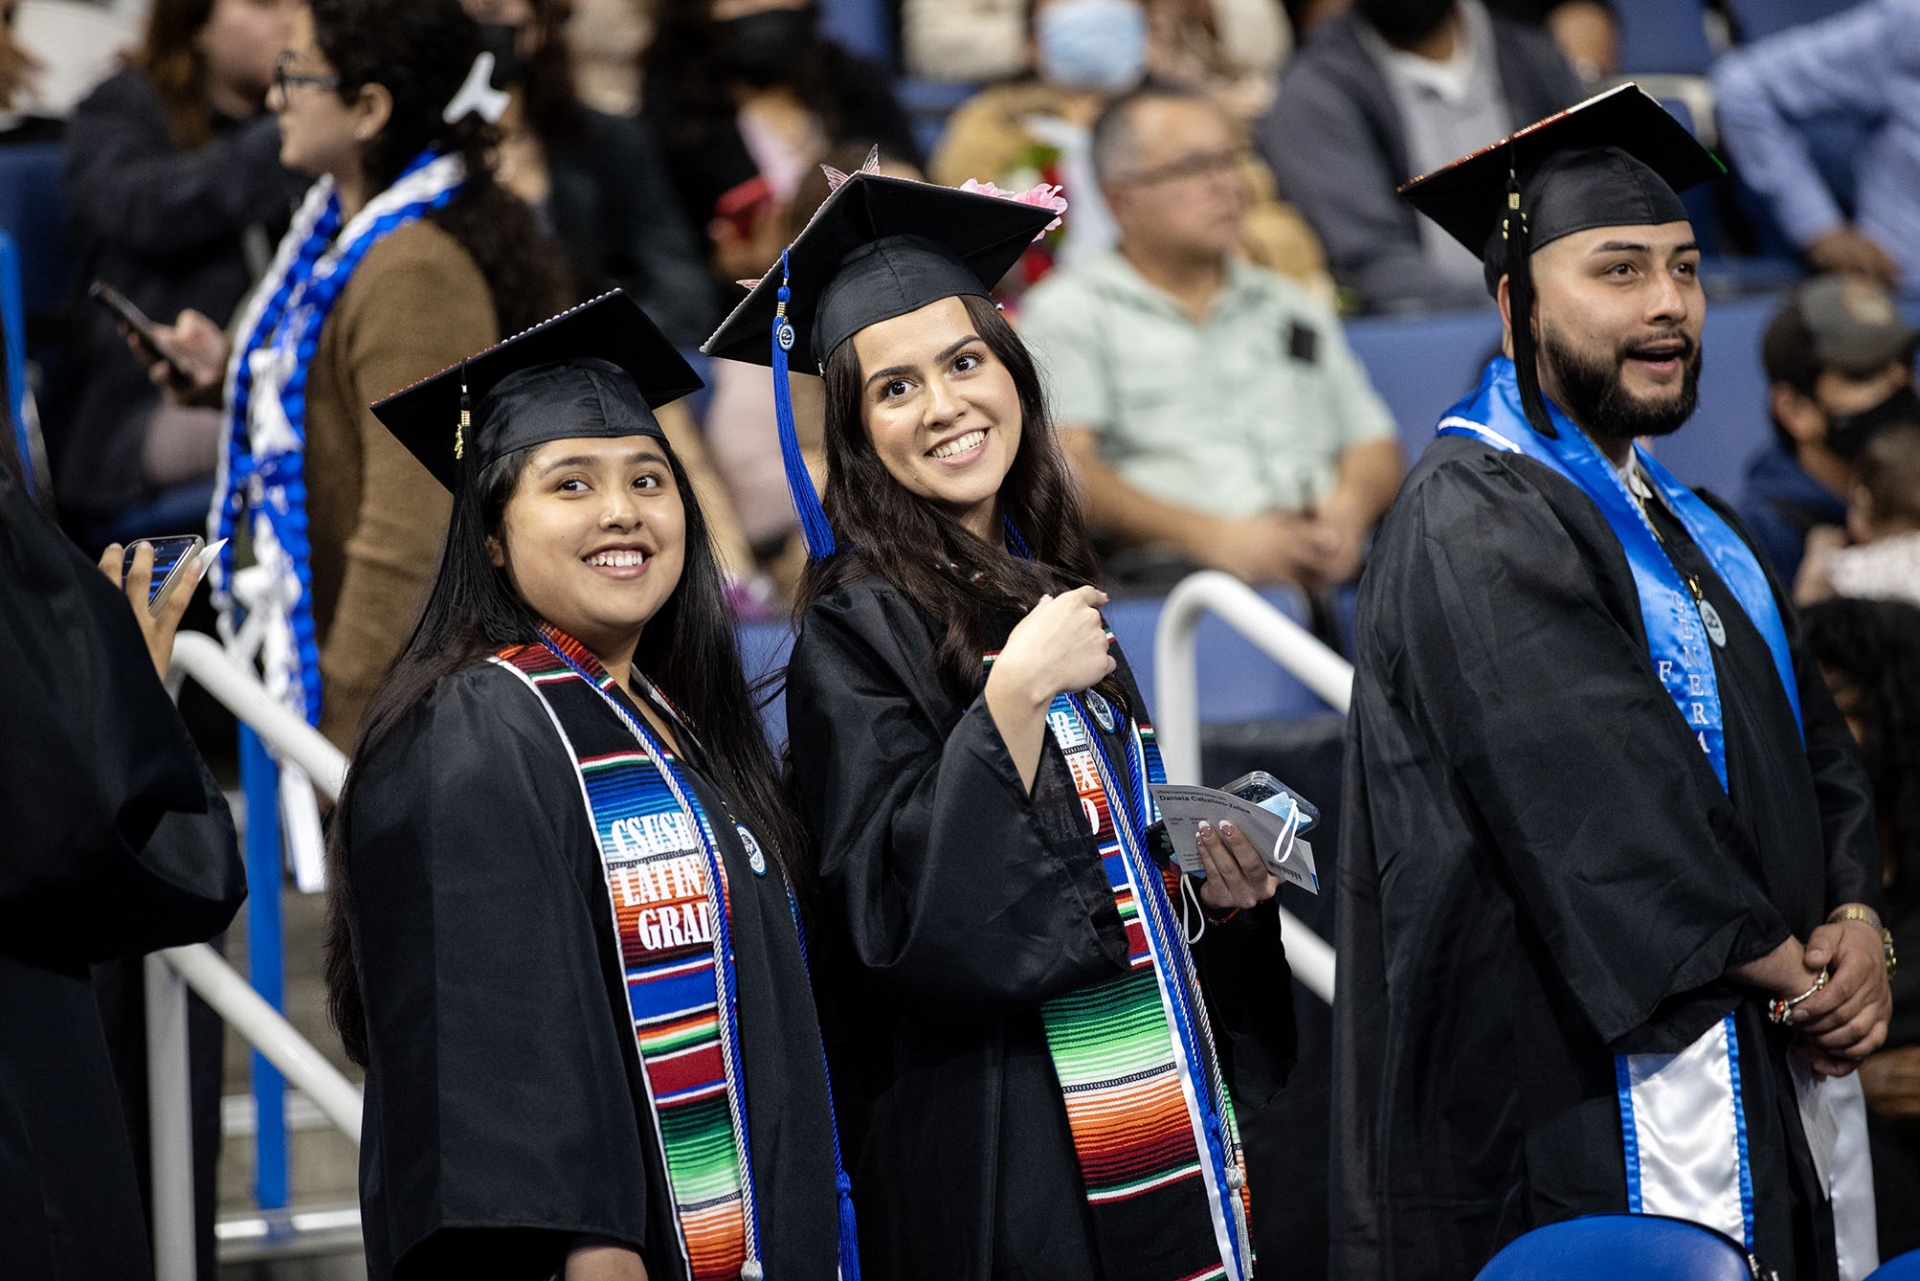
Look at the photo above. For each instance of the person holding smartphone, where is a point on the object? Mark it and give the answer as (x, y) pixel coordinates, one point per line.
(405, 255)
(114, 841)
(563, 941)
(1045, 1070)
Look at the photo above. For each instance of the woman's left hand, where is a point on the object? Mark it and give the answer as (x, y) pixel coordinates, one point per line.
(1237, 877)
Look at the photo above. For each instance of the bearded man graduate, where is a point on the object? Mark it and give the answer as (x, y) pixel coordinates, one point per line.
(1609, 876)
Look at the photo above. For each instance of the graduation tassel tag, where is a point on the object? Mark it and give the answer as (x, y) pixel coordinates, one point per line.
(814, 527)
(466, 417)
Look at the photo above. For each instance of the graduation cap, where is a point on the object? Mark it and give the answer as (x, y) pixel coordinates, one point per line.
(1616, 160)
(879, 247)
(600, 369)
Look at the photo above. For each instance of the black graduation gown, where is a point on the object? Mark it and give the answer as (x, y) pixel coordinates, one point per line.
(114, 841)
(954, 904)
(505, 1110)
(1540, 869)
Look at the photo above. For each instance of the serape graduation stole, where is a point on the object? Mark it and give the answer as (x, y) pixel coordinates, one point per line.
(1153, 1128)
(668, 891)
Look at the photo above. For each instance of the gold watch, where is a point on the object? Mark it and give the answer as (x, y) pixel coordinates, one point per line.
(1855, 912)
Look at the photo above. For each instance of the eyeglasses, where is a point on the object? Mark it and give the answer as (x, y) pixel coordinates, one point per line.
(283, 77)
(1205, 164)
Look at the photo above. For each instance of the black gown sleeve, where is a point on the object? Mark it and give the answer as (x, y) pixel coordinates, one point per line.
(1616, 838)
(500, 1116)
(113, 838)
(929, 846)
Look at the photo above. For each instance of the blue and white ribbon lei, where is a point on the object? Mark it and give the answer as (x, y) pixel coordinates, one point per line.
(1682, 1116)
(262, 472)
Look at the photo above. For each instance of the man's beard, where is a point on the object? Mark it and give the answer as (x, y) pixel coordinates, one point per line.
(1591, 393)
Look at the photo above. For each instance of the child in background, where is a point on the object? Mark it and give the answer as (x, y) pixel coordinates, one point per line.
(1883, 522)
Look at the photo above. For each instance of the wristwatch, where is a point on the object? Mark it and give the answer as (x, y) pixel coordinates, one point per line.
(1854, 912)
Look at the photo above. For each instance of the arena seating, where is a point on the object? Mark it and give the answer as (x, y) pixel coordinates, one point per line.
(1758, 19)
(33, 210)
(1663, 36)
(1620, 1247)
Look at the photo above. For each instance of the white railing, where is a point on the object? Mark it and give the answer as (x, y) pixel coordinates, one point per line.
(1177, 711)
(170, 973)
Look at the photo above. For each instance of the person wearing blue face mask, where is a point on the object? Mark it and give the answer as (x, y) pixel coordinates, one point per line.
(1084, 54)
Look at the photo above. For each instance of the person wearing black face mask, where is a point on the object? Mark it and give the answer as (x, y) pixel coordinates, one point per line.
(1840, 359)
(1388, 90)
(596, 180)
(746, 97)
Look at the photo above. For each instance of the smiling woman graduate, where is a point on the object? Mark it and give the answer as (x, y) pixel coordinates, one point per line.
(563, 942)
(1037, 1064)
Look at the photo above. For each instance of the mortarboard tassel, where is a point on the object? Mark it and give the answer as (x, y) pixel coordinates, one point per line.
(466, 417)
(806, 502)
(1519, 251)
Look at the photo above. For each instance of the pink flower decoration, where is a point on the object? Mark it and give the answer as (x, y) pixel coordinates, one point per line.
(1044, 196)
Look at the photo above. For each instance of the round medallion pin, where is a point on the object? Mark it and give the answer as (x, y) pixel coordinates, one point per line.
(1102, 710)
(756, 859)
(1716, 630)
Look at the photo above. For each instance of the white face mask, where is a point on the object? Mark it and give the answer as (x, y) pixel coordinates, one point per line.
(1093, 44)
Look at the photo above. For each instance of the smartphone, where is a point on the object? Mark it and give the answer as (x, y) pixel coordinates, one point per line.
(140, 323)
(1260, 787)
(171, 559)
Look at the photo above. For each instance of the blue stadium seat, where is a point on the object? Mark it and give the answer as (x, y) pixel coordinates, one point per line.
(33, 210)
(859, 26)
(1422, 364)
(1663, 36)
(928, 103)
(1758, 19)
(13, 326)
(1237, 681)
(1905, 1267)
(1620, 1247)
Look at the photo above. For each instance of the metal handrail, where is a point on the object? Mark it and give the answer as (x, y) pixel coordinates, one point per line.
(171, 972)
(1177, 717)
(240, 691)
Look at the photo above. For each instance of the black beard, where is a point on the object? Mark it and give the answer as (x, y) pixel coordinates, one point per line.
(1592, 395)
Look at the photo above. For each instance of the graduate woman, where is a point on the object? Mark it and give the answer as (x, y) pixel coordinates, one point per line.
(564, 945)
(1035, 1074)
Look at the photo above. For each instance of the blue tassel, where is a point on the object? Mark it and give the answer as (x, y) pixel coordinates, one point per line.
(849, 1236)
(806, 502)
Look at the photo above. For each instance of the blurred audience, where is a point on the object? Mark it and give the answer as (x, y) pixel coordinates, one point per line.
(1037, 129)
(1212, 409)
(1877, 556)
(607, 38)
(1861, 66)
(596, 180)
(1383, 93)
(1233, 49)
(18, 66)
(1840, 360)
(177, 195)
(745, 97)
(1869, 652)
(429, 259)
(1587, 32)
(964, 40)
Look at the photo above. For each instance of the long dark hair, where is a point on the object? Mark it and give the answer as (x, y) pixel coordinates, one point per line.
(950, 574)
(177, 70)
(420, 51)
(687, 649)
(1869, 651)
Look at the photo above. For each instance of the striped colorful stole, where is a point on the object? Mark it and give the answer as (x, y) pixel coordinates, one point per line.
(668, 892)
(1153, 1128)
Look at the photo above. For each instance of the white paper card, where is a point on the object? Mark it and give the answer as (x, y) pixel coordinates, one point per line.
(1183, 807)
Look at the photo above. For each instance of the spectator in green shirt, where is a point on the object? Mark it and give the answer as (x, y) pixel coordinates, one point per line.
(1213, 410)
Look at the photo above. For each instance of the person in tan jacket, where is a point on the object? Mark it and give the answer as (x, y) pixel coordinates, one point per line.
(437, 262)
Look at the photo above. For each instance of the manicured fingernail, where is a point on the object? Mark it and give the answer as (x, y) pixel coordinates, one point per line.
(1226, 829)
(1206, 830)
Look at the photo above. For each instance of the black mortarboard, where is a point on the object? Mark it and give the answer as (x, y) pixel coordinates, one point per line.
(879, 247)
(600, 369)
(1616, 160)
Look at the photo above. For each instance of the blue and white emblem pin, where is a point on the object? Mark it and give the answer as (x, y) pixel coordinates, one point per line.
(756, 858)
(1102, 710)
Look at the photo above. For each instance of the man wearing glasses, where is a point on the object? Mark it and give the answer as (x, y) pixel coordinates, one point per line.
(1213, 410)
